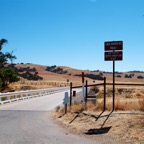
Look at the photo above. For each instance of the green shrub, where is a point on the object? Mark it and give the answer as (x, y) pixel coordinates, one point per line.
(11, 97)
(3, 98)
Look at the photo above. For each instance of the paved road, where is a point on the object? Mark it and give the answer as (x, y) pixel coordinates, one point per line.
(29, 122)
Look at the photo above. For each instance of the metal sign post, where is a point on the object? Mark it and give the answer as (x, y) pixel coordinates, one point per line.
(83, 101)
(113, 85)
(113, 52)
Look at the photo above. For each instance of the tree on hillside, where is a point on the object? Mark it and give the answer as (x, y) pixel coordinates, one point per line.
(4, 57)
(140, 77)
(128, 76)
(7, 75)
(119, 76)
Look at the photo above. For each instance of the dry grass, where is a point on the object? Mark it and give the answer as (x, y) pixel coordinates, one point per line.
(120, 104)
(78, 107)
(75, 107)
(123, 104)
(141, 102)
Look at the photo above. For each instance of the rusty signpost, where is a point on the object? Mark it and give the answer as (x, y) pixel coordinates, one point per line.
(113, 52)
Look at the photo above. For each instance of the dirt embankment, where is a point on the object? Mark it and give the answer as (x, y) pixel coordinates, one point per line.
(125, 125)
(122, 127)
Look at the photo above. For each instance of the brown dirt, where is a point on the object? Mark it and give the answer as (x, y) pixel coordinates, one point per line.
(123, 126)
(110, 127)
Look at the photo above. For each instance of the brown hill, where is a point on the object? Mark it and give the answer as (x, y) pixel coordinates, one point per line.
(62, 76)
(50, 79)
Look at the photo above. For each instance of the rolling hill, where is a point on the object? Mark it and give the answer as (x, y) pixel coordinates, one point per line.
(39, 76)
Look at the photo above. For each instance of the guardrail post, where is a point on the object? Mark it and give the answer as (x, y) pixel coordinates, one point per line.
(9, 98)
(39, 93)
(22, 96)
(31, 95)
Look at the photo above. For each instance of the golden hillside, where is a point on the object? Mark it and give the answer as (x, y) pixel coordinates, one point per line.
(53, 76)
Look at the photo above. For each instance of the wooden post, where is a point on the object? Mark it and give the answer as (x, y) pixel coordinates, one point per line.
(104, 93)
(65, 108)
(86, 94)
(83, 100)
(86, 90)
(70, 93)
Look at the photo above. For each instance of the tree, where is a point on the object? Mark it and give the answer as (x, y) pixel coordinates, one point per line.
(7, 75)
(4, 57)
(2, 42)
(140, 77)
(119, 76)
(128, 76)
(1, 82)
(101, 74)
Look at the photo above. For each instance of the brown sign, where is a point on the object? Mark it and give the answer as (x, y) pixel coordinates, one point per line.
(113, 45)
(113, 56)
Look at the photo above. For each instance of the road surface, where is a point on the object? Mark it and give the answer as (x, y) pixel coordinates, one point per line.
(29, 122)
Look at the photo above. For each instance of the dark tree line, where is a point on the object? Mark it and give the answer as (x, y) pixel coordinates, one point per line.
(27, 73)
(91, 76)
(55, 69)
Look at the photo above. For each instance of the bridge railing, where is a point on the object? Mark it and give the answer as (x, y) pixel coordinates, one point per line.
(21, 95)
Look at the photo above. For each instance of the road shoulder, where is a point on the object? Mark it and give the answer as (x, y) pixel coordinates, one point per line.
(107, 127)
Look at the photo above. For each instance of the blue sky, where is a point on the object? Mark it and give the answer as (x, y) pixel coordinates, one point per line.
(72, 32)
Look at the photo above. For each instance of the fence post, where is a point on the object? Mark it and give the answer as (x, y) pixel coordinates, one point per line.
(86, 94)
(104, 93)
(83, 97)
(70, 93)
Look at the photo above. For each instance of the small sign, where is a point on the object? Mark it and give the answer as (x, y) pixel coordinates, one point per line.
(65, 98)
(113, 56)
(113, 45)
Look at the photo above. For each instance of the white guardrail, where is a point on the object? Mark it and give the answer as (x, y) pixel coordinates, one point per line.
(21, 95)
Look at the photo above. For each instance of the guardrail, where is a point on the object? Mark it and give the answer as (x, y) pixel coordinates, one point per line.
(21, 95)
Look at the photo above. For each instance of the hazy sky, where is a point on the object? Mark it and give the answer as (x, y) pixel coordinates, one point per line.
(72, 32)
